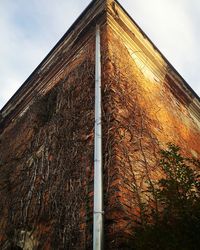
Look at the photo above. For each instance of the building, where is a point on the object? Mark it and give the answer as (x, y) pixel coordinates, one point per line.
(47, 134)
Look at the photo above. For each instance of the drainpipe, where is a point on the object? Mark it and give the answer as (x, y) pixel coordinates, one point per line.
(98, 167)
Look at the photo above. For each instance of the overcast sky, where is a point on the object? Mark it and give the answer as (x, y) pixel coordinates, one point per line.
(30, 28)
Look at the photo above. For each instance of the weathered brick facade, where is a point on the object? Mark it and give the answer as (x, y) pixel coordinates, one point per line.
(47, 134)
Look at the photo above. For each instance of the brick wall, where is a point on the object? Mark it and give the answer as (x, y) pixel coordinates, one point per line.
(46, 151)
(46, 164)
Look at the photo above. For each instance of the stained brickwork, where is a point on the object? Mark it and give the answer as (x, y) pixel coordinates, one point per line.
(47, 136)
(146, 115)
(46, 165)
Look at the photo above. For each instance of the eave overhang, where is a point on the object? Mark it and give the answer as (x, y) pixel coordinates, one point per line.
(136, 40)
(37, 82)
(100, 11)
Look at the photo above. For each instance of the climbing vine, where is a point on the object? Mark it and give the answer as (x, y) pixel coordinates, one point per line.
(46, 179)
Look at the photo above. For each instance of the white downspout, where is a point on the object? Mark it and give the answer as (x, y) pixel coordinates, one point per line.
(98, 166)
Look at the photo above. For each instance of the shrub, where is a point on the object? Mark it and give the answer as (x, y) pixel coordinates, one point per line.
(178, 194)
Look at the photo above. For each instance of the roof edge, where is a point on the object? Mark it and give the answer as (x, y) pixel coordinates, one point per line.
(165, 59)
(53, 50)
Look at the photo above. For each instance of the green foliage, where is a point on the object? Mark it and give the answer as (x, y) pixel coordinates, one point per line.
(179, 190)
(178, 196)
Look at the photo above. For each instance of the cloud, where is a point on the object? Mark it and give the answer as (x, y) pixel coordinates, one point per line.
(29, 29)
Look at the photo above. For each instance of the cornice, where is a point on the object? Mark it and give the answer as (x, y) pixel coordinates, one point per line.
(136, 40)
(60, 55)
(143, 49)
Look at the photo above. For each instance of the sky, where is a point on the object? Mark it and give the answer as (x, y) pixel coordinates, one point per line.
(31, 28)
